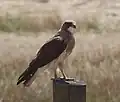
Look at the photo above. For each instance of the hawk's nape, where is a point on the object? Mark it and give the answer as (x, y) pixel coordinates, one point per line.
(48, 52)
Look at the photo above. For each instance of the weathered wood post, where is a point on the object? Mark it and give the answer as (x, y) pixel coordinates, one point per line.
(69, 90)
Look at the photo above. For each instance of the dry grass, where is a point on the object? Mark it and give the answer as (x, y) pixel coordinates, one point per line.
(95, 59)
(95, 62)
(29, 16)
(30, 23)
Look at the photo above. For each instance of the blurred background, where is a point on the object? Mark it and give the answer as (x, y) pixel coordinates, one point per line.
(26, 24)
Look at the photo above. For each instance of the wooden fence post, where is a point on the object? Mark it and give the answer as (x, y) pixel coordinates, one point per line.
(69, 91)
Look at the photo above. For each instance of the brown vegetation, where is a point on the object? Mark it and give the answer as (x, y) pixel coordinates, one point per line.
(26, 25)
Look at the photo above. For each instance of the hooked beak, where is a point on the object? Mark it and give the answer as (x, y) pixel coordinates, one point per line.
(74, 26)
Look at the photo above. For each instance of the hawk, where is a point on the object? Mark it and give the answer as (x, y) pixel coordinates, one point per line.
(57, 49)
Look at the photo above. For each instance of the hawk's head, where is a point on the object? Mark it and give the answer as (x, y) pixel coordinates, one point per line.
(68, 25)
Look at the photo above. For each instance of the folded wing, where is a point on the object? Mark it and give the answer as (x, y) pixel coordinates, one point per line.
(48, 52)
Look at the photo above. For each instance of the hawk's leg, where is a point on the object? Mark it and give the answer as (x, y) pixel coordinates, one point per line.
(62, 71)
(55, 74)
(64, 76)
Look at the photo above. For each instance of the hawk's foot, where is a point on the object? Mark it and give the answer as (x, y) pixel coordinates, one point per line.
(65, 79)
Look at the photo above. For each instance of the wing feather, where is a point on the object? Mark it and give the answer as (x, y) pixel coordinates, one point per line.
(48, 52)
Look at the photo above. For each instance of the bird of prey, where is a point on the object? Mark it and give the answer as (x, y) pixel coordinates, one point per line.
(57, 49)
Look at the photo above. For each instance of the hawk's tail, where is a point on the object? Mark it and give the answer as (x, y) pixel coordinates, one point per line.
(27, 76)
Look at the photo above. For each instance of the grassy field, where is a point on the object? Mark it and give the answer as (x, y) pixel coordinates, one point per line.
(26, 24)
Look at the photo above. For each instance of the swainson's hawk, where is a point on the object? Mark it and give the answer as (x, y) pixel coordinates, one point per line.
(56, 49)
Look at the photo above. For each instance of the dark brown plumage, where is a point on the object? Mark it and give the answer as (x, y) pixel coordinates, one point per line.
(51, 50)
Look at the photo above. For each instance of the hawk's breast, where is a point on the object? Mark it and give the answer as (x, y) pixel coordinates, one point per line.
(68, 50)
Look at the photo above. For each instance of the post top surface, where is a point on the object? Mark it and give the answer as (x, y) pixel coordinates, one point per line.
(69, 81)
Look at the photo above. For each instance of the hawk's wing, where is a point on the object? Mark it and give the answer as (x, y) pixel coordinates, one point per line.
(48, 52)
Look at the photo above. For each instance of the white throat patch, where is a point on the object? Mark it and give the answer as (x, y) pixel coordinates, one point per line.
(71, 29)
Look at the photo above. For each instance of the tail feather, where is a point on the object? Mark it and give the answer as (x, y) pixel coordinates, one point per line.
(23, 74)
(27, 76)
